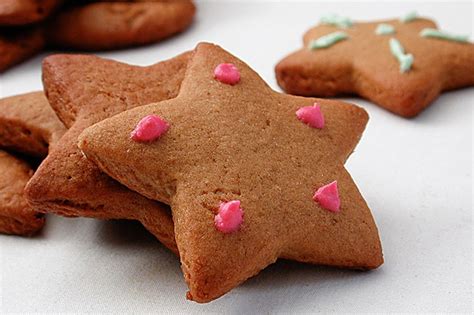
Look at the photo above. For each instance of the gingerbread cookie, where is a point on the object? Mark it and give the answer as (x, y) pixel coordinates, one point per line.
(111, 25)
(21, 12)
(401, 65)
(16, 217)
(251, 175)
(28, 124)
(19, 44)
(84, 90)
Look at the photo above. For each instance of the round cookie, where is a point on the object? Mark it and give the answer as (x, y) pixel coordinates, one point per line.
(21, 12)
(111, 25)
(16, 216)
(17, 45)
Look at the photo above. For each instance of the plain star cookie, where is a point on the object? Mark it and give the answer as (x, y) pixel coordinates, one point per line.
(84, 90)
(16, 216)
(401, 65)
(28, 124)
(112, 25)
(251, 175)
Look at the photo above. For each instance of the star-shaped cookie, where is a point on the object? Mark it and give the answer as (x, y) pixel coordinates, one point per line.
(16, 217)
(84, 90)
(361, 62)
(27, 125)
(233, 149)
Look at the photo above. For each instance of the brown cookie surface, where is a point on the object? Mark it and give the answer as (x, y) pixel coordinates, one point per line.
(111, 25)
(21, 12)
(28, 124)
(244, 143)
(16, 216)
(84, 90)
(17, 45)
(363, 64)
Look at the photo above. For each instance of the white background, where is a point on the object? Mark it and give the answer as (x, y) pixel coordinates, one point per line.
(415, 174)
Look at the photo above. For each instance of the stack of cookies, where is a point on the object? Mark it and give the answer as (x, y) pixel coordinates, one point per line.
(29, 26)
(28, 127)
(225, 172)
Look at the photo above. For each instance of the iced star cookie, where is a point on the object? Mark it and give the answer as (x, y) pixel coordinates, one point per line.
(16, 216)
(401, 65)
(116, 24)
(251, 175)
(28, 124)
(84, 90)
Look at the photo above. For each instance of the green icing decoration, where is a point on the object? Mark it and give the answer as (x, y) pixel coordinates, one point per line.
(336, 20)
(384, 29)
(432, 32)
(405, 60)
(327, 40)
(409, 17)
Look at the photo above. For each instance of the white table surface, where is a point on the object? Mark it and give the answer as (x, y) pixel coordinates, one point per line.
(415, 174)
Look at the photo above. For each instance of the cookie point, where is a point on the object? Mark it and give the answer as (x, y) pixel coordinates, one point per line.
(311, 115)
(149, 128)
(230, 217)
(409, 17)
(328, 197)
(227, 73)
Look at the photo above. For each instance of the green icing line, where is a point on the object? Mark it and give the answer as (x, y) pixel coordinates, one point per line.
(327, 40)
(431, 32)
(405, 60)
(336, 20)
(409, 17)
(384, 29)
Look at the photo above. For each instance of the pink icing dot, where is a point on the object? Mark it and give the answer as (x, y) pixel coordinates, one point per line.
(230, 217)
(311, 115)
(149, 128)
(227, 73)
(328, 197)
